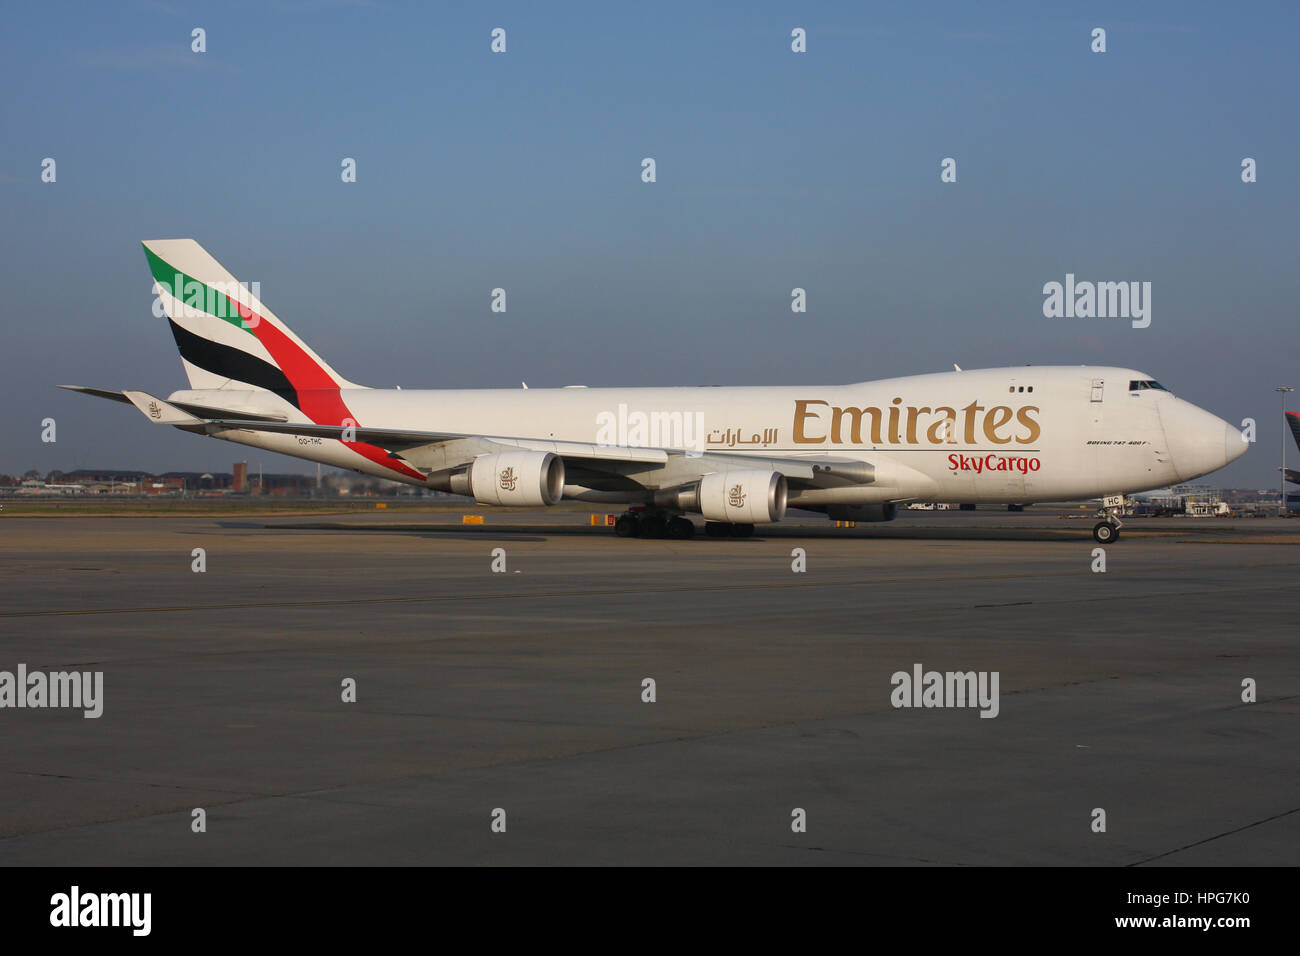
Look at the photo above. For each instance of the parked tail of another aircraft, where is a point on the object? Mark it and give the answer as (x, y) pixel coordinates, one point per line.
(1293, 420)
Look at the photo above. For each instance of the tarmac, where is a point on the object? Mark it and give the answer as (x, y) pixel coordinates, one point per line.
(518, 695)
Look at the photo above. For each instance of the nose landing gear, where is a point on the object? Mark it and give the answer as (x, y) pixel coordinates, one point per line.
(1106, 530)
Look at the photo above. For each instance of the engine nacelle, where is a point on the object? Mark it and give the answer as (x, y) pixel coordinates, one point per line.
(523, 478)
(887, 511)
(743, 497)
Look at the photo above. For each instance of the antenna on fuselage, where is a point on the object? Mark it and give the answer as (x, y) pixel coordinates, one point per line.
(956, 367)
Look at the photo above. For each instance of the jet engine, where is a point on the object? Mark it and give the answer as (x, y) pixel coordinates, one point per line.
(742, 497)
(523, 478)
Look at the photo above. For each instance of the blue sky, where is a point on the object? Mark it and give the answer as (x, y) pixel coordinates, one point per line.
(522, 170)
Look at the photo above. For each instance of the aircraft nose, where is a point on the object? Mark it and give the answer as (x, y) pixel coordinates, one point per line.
(1199, 442)
(1234, 442)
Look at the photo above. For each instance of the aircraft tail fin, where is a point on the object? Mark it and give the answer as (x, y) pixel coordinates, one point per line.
(226, 336)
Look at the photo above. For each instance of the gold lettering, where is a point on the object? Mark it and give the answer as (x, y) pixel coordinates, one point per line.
(912, 414)
(971, 411)
(800, 413)
(939, 432)
(855, 424)
(1023, 417)
(998, 416)
(945, 429)
(893, 422)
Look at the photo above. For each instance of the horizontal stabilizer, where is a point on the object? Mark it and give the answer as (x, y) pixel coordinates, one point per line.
(202, 411)
(158, 411)
(98, 393)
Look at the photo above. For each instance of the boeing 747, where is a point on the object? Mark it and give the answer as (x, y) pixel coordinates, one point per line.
(737, 456)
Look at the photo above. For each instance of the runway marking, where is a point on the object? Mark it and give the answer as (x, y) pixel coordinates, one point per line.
(1217, 836)
(611, 592)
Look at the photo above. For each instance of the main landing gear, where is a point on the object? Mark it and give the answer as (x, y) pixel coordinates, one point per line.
(646, 523)
(721, 529)
(1106, 530)
(654, 524)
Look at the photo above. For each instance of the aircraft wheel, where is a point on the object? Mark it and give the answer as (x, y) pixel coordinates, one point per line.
(626, 526)
(653, 526)
(681, 528)
(717, 529)
(742, 530)
(1105, 532)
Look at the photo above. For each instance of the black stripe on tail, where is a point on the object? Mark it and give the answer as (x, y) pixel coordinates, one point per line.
(1293, 420)
(230, 362)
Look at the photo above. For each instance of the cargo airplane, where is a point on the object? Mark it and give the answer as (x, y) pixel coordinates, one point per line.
(737, 456)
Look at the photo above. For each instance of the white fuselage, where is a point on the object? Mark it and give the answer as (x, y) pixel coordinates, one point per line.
(1013, 435)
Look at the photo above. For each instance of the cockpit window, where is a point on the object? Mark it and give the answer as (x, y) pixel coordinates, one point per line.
(1146, 383)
